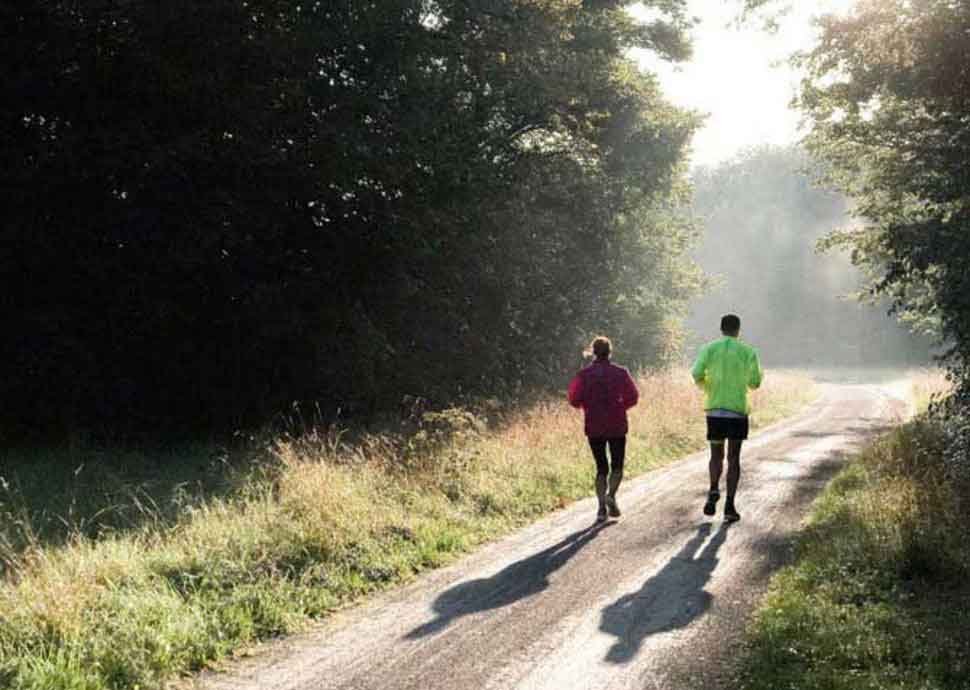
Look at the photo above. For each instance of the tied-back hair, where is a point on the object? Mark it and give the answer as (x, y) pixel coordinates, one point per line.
(600, 348)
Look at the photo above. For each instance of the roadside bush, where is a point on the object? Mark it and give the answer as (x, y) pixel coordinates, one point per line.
(953, 421)
(878, 593)
(915, 464)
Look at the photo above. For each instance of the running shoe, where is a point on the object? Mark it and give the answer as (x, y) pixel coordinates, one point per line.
(730, 514)
(601, 514)
(711, 506)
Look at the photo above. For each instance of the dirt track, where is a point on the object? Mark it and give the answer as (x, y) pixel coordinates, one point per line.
(658, 600)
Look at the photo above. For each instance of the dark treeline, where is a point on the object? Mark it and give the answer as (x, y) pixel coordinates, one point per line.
(214, 209)
(763, 218)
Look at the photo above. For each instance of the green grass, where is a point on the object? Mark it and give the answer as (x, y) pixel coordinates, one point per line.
(51, 495)
(878, 593)
(140, 566)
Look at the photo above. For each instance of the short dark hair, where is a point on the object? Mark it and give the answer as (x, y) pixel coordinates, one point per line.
(730, 323)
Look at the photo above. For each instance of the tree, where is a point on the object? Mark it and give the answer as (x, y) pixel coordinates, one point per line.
(887, 93)
(214, 209)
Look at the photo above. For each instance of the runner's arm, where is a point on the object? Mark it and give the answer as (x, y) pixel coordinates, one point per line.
(755, 374)
(575, 393)
(699, 370)
(630, 393)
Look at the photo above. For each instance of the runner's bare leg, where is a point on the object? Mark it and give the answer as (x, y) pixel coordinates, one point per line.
(717, 463)
(734, 468)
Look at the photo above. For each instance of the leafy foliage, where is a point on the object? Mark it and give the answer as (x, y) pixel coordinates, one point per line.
(214, 209)
(887, 95)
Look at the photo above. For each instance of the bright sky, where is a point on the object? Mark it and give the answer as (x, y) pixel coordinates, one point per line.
(739, 76)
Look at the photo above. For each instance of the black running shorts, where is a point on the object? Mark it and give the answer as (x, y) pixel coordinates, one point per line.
(721, 428)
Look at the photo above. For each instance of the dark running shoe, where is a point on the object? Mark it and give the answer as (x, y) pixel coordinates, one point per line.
(601, 514)
(612, 508)
(711, 506)
(730, 514)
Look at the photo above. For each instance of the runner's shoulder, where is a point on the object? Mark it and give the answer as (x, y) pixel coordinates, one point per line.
(618, 371)
(749, 348)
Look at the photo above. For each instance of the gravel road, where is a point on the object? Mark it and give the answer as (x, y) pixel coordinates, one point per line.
(657, 600)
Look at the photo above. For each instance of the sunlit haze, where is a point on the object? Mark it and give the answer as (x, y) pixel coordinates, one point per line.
(739, 76)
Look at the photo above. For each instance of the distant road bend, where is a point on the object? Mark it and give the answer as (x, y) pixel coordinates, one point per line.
(658, 600)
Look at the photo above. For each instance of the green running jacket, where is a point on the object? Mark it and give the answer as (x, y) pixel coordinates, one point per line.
(726, 369)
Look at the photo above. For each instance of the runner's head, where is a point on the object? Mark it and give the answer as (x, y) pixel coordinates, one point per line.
(730, 325)
(600, 347)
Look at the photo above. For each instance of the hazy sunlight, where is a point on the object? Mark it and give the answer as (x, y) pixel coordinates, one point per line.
(739, 76)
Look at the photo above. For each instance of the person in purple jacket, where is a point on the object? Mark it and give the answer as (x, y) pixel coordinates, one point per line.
(605, 392)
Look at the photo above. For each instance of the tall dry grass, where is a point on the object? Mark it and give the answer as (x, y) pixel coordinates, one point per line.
(321, 522)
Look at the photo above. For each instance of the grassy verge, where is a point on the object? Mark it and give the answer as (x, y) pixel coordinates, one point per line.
(878, 593)
(136, 575)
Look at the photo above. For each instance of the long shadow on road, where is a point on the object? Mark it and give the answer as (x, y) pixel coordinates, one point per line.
(517, 581)
(669, 599)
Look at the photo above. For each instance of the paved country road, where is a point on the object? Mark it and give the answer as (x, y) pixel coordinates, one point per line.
(657, 600)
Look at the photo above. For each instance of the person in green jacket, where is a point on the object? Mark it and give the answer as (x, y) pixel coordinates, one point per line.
(726, 368)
